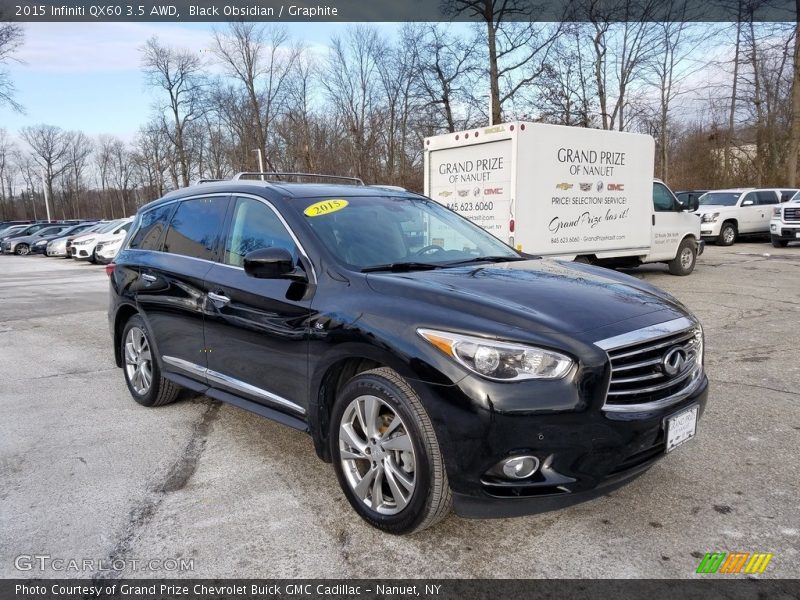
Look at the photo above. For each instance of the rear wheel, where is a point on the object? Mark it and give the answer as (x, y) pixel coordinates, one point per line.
(22, 250)
(685, 259)
(727, 235)
(142, 373)
(386, 454)
(778, 243)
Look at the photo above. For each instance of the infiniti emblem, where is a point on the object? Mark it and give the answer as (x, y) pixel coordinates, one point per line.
(673, 360)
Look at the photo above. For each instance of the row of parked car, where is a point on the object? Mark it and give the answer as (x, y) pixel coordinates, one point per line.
(93, 241)
(727, 215)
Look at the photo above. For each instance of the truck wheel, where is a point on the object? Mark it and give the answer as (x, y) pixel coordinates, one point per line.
(778, 243)
(727, 235)
(386, 455)
(685, 259)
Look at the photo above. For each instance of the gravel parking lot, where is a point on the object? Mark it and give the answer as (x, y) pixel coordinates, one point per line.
(87, 473)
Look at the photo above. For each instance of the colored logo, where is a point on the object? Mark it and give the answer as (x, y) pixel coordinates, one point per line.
(445, 193)
(495, 129)
(616, 187)
(564, 186)
(599, 186)
(585, 187)
(734, 562)
(493, 191)
(463, 193)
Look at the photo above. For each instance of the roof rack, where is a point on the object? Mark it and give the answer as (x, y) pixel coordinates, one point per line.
(262, 175)
(208, 180)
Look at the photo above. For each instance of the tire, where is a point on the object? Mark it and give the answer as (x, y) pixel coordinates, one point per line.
(778, 243)
(727, 234)
(157, 391)
(93, 257)
(686, 258)
(414, 491)
(22, 250)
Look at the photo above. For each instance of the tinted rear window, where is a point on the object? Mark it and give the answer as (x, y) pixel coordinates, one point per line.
(195, 227)
(152, 225)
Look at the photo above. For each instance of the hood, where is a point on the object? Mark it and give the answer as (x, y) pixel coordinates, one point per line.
(711, 208)
(564, 297)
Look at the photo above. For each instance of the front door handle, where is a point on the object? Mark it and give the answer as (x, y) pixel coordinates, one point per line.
(219, 300)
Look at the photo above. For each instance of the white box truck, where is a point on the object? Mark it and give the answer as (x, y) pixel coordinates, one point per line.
(567, 192)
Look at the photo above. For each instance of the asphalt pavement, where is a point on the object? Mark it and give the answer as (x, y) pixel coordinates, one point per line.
(88, 474)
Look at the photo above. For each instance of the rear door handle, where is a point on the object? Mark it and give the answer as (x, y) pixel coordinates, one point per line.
(218, 299)
(149, 278)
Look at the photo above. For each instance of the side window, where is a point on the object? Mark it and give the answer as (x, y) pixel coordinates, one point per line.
(254, 226)
(751, 196)
(195, 226)
(786, 195)
(767, 198)
(152, 224)
(125, 227)
(662, 199)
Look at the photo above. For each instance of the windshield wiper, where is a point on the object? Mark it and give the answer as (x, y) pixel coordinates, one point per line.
(491, 259)
(401, 267)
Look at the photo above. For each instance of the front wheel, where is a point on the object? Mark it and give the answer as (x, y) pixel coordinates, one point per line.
(22, 250)
(142, 373)
(386, 454)
(685, 259)
(778, 243)
(727, 235)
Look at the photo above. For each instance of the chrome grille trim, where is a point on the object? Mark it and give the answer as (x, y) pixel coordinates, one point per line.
(644, 384)
(791, 214)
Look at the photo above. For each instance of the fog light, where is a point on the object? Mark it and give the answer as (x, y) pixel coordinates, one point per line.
(520, 467)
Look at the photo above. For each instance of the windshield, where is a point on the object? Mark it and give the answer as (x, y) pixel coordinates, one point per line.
(720, 198)
(109, 226)
(368, 232)
(795, 198)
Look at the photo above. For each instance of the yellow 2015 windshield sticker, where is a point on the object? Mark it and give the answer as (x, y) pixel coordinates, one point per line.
(325, 207)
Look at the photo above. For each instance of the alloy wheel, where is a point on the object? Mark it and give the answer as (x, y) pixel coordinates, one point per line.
(138, 361)
(377, 455)
(687, 258)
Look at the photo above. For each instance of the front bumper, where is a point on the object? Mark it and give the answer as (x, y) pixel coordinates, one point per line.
(784, 232)
(710, 230)
(81, 252)
(584, 454)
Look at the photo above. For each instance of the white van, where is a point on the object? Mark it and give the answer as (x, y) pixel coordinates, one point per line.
(569, 192)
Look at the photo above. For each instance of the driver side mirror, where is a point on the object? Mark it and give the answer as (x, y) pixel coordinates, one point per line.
(692, 203)
(748, 203)
(272, 263)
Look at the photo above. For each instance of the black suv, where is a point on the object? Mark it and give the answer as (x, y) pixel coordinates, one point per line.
(433, 365)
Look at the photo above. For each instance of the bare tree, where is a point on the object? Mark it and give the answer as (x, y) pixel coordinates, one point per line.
(261, 59)
(179, 74)
(79, 148)
(517, 46)
(11, 37)
(7, 148)
(50, 145)
(446, 64)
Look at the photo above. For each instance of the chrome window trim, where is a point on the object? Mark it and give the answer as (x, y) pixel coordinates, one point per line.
(232, 195)
(651, 333)
(231, 382)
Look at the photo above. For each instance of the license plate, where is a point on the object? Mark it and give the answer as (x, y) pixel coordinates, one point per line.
(681, 428)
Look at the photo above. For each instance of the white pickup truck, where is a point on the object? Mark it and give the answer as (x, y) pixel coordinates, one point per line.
(785, 224)
(725, 215)
(567, 192)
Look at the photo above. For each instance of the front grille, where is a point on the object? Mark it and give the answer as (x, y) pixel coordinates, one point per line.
(642, 372)
(791, 214)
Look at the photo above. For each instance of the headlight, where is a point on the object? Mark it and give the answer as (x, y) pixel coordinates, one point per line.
(698, 343)
(776, 212)
(83, 242)
(709, 218)
(112, 245)
(500, 361)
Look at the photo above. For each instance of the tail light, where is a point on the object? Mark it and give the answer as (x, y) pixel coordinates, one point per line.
(110, 269)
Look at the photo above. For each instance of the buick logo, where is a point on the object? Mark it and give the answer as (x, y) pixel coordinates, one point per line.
(674, 360)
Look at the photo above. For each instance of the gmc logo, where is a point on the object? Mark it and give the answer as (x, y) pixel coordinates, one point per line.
(492, 191)
(616, 187)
